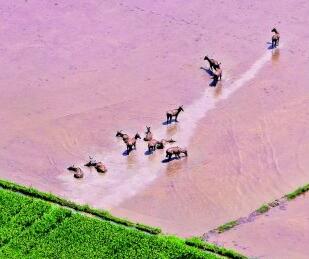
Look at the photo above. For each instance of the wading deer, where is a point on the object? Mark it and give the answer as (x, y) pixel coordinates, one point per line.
(175, 151)
(148, 133)
(91, 162)
(78, 173)
(275, 38)
(155, 144)
(100, 167)
(173, 113)
(213, 64)
(131, 142)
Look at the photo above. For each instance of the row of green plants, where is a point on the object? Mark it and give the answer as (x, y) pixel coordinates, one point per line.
(38, 229)
(58, 217)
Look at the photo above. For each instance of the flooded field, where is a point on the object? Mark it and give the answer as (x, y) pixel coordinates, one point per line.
(74, 73)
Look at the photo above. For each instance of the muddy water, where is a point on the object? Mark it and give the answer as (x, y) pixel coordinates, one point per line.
(76, 73)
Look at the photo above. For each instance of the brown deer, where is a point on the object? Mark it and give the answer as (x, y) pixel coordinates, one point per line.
(155, 144)
(122, 135)
(173, 113)
(78, 173)
(213, 64)
(175, 151)
(131, 142)
(275, 38)
(100, 167)
(148, 133)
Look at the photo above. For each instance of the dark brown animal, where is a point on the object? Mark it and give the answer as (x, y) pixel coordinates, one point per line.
(148, 133)
(176, 151)
(131, 142)
(100, 167)
(173, 113)
(91, 162)
(275, 38)
(78, 173)
(213, 64)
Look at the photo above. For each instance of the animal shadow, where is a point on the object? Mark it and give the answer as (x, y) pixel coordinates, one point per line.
(126, 153)
(207, 70)
(167, 160)
(169, 122)
(214, 81)
(147, 152)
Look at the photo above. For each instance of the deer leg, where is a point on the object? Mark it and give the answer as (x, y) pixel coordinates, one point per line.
(176, 118)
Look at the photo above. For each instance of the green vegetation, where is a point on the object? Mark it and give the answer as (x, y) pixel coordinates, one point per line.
(227, 226)
(199, 243)
(264, 208)
(301, 190)
(82, 208)
(33, 227)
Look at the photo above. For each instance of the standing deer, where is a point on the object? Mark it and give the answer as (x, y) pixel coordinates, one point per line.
(213, 64)
(148, 133)
(131, 142)
(173, 113)
(175, 151)
(275, 38)
(122, 135)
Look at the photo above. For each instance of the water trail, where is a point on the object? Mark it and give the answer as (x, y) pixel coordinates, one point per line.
(128, 175)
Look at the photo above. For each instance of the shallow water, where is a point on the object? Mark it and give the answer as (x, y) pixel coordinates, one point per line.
(75, 74)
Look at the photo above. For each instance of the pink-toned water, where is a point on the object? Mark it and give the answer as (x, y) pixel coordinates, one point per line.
(73, 73)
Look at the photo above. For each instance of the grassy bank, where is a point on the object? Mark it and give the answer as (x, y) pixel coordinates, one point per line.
(33, 225)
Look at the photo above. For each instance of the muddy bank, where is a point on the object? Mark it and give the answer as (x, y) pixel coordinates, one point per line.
(280, 233)
(76, 73)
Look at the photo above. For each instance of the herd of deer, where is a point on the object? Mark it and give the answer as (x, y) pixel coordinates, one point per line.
(154, 144)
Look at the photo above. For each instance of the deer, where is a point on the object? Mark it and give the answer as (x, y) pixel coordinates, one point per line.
(213, 64)
(78, 173)
(155, 144)
(131, 142)
(122, 135)
(175, 151)
(275, 38)
(99, 166)
(91, 162)
(173, 113)
(148, 133)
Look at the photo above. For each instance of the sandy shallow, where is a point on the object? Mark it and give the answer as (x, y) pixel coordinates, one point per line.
(280, 233)
(74, 73)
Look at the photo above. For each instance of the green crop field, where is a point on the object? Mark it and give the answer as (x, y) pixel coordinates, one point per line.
(34, 228)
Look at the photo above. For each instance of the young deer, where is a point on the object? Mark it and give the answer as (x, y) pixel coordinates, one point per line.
(148, 133)
(173, 113)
